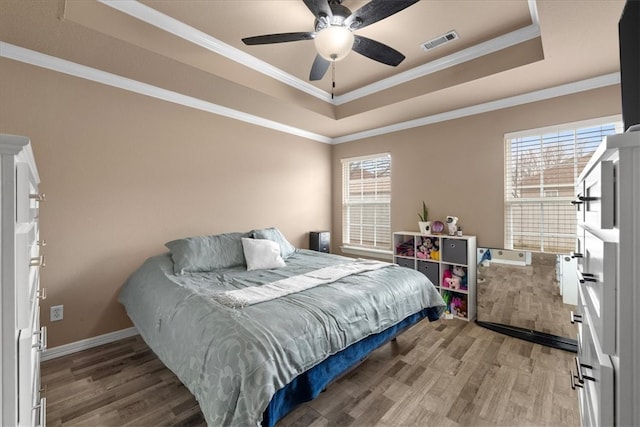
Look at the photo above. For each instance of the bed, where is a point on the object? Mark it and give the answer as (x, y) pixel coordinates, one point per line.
(254, 332)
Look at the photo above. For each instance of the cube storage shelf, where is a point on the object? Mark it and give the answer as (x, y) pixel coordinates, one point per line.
(448, 261)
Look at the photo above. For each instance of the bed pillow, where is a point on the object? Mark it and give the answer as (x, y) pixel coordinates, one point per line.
(261, 254)
(273, 234)
(206, 253)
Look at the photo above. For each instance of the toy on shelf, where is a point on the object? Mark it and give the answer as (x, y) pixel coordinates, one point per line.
(455, 277)
(452, 225)
(459, 306)
(426, 248)
(405, 248)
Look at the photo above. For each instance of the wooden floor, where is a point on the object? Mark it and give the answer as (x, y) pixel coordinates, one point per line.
(445, 373)
(527, 296)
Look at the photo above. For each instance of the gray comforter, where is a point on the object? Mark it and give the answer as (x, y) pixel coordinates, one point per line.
(234, 360)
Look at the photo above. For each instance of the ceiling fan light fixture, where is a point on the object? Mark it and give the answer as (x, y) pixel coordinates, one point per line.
(334, 42)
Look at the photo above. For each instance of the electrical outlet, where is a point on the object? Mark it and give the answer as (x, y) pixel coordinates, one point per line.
(56, 313)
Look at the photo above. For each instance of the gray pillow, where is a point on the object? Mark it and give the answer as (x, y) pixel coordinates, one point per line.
(206, 253)
(273, 234)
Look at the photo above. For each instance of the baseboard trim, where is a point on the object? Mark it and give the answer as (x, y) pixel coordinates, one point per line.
(74, 347)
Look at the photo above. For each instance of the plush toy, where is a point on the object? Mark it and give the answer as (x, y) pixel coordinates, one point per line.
(424, 249)
(459, 277)
(453, 282)
(434, 252)
(452, 225)
(455, 277)
(459, 306)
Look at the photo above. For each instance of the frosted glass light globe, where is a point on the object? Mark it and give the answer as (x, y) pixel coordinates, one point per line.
(334, 42)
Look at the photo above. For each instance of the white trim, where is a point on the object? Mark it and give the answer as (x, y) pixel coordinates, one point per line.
(166, 23)
(74, 347)
(374, 253)
(67, 67)
(366, 157)
(561, 127)
(474, 52)
(533, 12)
(45, 61)
(539, 95)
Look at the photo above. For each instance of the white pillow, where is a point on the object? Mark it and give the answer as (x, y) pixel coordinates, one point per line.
(261, 254)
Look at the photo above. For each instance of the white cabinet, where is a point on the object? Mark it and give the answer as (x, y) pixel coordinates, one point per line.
(607, 372)
(20, 261)
(448, 261)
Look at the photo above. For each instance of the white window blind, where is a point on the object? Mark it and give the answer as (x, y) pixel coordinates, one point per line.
(366, 202)
(541, 169)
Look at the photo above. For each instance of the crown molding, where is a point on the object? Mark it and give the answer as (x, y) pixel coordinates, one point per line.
(153, 17)
(166, 23)
(501, 42)
(82, 71)
(63, 66)
(513, 101)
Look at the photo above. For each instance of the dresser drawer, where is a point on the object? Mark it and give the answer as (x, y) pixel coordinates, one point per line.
(593, 378)
(27, 197)
(597, 281)
(597, 197)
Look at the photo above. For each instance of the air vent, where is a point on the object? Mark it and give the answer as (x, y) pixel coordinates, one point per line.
(440, 40)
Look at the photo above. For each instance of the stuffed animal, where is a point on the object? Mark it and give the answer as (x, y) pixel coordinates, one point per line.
(453, 282)
(435, 251)
(460, 275)
(459, 306)
(424, 249)
(452, 225)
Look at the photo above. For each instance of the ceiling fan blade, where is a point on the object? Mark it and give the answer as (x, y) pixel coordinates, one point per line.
(319, 68)
(277, 38)
(375, 11)
(377, 51)
(319, 7)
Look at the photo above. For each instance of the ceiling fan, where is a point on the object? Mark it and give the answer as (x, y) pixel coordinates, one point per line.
(334, 37)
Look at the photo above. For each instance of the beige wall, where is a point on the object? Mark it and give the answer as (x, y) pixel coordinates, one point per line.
(124, 173)
(456, 167)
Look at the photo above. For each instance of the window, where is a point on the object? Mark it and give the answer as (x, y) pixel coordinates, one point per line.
(366, 202)
(541, 170)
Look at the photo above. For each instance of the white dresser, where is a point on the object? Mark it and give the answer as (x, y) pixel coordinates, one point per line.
(20, 262)
(607, 371)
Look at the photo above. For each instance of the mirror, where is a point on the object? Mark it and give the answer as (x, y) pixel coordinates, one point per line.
(528, 295)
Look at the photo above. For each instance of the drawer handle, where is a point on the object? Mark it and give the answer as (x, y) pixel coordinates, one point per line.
(38, 197)
(573, 382)
(42, 294)
(41, 345)
(581, 377)
(576, 318)
(37, 261)
(41, 242)
(587, 198)
(586, 277)
(576, 255)
(43, 411)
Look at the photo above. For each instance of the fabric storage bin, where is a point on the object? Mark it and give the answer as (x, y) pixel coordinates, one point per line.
(431, 270)
(405, 262)
(454, 251)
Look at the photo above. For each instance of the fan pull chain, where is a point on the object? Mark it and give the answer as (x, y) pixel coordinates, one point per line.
(333, 77)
